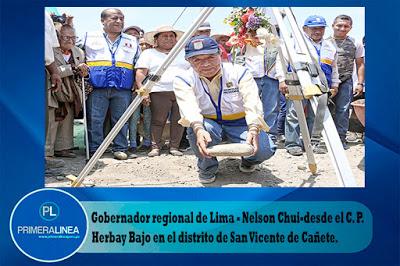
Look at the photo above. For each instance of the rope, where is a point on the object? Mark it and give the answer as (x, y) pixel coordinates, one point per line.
(179, 16)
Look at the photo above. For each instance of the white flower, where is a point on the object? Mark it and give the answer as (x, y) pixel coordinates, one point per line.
(272, 40)
(267, 37)
(262, 33)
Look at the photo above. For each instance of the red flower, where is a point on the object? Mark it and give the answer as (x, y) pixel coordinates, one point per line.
(245, 18)
(242, 30)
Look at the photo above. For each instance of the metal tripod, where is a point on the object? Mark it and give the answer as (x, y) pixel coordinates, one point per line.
(307, 81)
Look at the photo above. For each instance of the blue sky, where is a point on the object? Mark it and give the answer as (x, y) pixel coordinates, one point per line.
(88, 18)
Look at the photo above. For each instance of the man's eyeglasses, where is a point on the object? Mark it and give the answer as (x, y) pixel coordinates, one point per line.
(68, 38)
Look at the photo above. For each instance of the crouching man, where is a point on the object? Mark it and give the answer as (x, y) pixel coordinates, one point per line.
(220, 101)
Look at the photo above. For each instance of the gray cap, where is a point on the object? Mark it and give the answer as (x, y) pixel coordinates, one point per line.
(205, 26)
(136, 28)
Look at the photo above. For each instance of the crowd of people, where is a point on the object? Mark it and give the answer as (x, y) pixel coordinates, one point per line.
(210, 93)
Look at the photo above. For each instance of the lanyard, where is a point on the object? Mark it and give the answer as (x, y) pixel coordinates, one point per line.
(316, 49)
(112, 47)
(217, 107)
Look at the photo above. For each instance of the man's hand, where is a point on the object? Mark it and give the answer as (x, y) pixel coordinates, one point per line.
(202, 140)
(69, 20)
(283, 87)
(83, 69)
(146, 101)
(252, 139)
(55, 77)
(55, 80)
(334, 91)
(358, 90)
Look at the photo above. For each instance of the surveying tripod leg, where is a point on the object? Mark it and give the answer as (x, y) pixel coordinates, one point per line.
(306, 136)
(110, 137)
(335, 149)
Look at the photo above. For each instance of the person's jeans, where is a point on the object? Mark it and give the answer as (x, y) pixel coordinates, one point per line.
(342, 101)
(268, 90)
(235, 134)
(98, 102)
(133, 121)
(292, 127)
(280, 128)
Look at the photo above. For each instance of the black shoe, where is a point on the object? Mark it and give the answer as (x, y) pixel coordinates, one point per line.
(132, 153)
(244, 168)
(144, 148)
(345, 146)
(295, 151)
(319, 149)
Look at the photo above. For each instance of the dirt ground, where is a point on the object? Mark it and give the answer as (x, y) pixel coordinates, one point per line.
(282, 170)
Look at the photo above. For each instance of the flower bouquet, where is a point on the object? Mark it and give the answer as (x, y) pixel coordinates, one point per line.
(250, 26)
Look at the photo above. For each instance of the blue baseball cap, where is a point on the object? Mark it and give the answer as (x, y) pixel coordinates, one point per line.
(315, 21)
(200, 45)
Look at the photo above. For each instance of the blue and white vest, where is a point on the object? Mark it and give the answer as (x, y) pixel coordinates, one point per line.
(108, 67)
(326, 56)
(229, 109)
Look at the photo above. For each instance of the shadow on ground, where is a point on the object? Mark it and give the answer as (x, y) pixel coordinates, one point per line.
(75, 167)
(228, 174)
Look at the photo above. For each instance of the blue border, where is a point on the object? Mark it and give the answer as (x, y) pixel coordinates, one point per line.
(22, 140)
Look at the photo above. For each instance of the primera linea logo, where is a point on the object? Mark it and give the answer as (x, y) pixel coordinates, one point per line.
(49, 211)
(48, 225)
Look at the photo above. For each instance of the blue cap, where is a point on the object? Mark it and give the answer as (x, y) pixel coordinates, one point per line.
(315, 21)
(200, 45)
